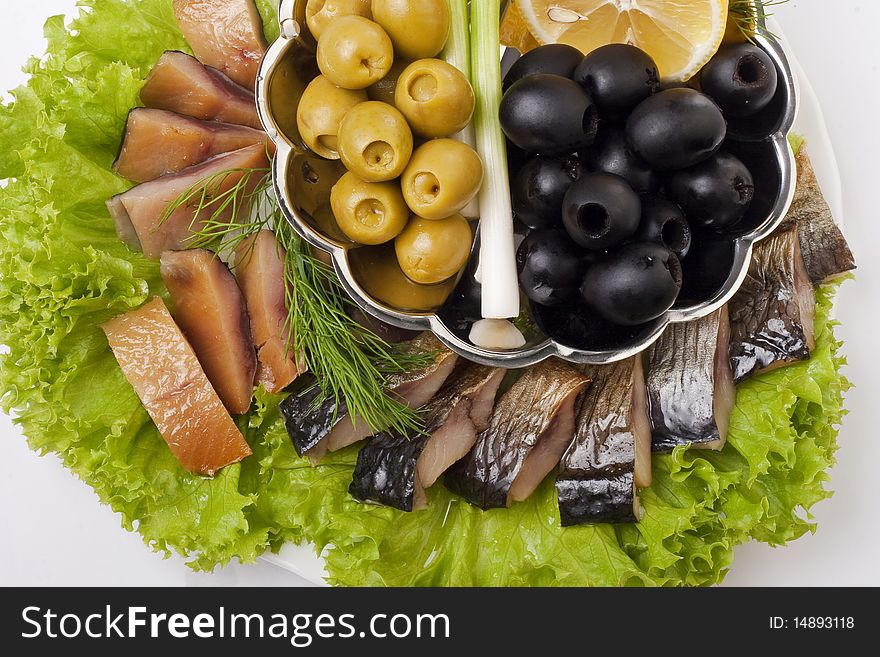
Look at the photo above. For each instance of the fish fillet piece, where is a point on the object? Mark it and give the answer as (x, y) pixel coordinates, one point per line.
(124, 228)
(771, 316)
(690, 384)
(139, 210)
(531, 427)
(224, 34)
(259, 268)
(165, 373)
(395, 470)
(610, 456)
(181, 83)
(158, 142)
(315, 430)
(210, 310)
(824, 248)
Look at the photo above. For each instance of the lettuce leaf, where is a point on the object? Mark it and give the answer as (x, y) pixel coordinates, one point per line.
(63, 272)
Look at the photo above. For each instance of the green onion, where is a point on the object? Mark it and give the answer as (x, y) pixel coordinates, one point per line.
(497, 251)
(457, 53)
(457, 50)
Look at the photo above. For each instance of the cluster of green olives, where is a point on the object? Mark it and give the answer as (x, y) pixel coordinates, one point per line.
(386, 108)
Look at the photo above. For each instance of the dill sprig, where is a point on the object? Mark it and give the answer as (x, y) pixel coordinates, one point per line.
(745, 14)
(349, 361)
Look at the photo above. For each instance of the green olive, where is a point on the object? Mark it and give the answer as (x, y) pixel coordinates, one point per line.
(354, 52)
(319, 13)
(369, 213)
(435, 98)
(443, 176)
(383, 90)
(376, 269)
(418, 28)
(432, 251)
(319, 113)
(375, 141)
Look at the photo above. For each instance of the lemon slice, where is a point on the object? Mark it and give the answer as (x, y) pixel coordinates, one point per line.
(680, 36)
(515, 31)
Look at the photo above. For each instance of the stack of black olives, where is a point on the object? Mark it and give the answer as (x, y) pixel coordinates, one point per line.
(386, 107)
(621, 173)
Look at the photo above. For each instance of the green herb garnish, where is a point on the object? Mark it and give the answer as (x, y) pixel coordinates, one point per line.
(349, 361)
(745, 15)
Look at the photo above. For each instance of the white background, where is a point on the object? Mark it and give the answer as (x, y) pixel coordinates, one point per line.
(54, 531)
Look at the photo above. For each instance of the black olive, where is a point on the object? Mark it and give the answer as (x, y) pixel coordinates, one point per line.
(554, 58)
(611, 154)
(663, 223)
(741, 78)
(675, 129)
(715, 193)
(516, 158)
(550, 267)
(618, 77)
(579, 326)
(467, 300)
(601, 210)
(539, 187)
(548, 114)
(633, 285)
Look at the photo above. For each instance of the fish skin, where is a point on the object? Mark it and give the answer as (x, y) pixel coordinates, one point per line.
(470, 390)
(465, 383)
(388, 466)
(386, 470)
(607, 499)
(595, 482)
(824, 248)
(181, 83)
(159, 142)
(771, 316)
(307, 424)
(165, 373)
(681, 384)
(224, 34)
(522, 415)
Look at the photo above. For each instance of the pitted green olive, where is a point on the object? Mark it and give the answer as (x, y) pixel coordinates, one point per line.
(354, 52)
(375, 141)
(320, 111)
(418, 28)
(443, 176)
(376, 269)
(368, 213)
(384, 89)
(320, 13)
(435, 98)
(432, 251)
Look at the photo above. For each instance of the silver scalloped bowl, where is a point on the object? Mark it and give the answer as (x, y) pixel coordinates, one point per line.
(711, 276)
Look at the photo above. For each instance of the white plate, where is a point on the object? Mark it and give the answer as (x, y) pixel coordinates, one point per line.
(810, 123)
